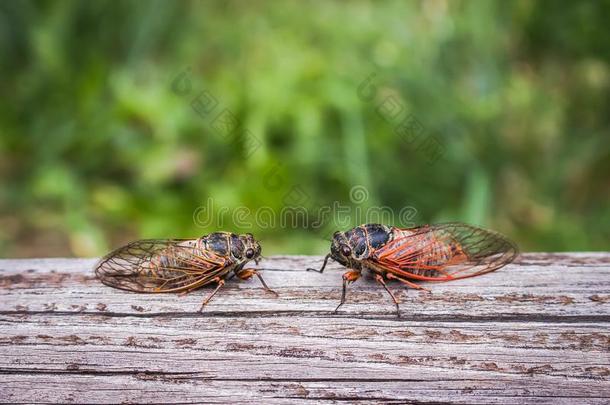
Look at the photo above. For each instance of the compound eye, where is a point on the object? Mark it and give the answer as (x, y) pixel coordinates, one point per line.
(250, 253)
(346, 250)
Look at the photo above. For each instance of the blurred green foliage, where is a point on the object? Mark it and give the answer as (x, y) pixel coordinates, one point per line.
(96, 147)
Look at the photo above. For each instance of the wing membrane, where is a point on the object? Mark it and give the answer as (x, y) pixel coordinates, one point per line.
(445, 252)
(160, 265)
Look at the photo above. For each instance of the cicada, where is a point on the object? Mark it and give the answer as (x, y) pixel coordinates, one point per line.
(441, 252)
(181, 265)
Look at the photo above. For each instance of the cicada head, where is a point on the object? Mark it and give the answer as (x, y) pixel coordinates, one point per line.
(252, 249)
(341, 250)
(350, 248)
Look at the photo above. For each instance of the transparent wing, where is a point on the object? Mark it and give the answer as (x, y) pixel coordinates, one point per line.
(445, 252)
(161, 265)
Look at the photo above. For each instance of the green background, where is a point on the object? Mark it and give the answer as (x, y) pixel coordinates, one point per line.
(98, 144)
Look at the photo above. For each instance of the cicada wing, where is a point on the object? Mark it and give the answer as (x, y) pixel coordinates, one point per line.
(445, 252)
(160, 265)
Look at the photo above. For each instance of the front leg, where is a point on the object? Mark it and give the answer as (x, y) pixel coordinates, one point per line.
(348, 277)
(323, 265)
(245, 274)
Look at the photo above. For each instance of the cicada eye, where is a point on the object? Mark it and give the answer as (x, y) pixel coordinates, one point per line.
(249, 253)
(346, 250)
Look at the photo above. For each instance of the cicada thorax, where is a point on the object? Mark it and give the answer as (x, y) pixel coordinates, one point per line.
(225, 244)
(363, 241)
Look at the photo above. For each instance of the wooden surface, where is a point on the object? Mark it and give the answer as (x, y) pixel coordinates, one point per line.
(533, 332)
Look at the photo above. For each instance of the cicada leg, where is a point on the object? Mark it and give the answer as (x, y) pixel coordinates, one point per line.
(220, 282)
(379, 279)
(348, 277)
(245, 274)
(323, 265)
(392, 276)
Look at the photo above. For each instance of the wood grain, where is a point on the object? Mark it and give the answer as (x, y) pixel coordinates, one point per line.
(533, 332)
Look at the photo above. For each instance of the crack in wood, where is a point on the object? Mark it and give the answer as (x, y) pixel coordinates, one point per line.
(502, 318)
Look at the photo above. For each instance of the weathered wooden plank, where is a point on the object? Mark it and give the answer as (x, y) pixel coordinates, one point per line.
(314, 343)
(186, 389)
(536, 331)
(569, 288)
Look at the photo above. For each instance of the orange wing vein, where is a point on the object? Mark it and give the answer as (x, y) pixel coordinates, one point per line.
(444, 252)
